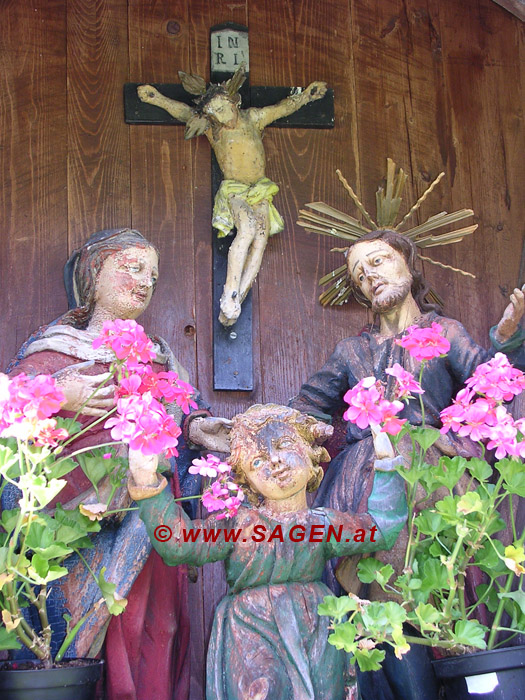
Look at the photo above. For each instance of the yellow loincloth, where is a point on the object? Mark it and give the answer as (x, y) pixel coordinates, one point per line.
(263, 190)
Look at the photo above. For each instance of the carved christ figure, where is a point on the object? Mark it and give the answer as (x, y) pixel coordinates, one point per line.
(244, 199)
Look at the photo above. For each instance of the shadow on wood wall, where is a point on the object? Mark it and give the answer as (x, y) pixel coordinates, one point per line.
(434, 84)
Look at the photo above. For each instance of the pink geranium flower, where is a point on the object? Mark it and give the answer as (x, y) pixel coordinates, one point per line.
(391, 424)
(143, 424)
(425, 343)
(127, 340)
(363, 400)
(478, 416)
(453, 416)
(231, 505)
(214, 497)
(211, 466)
(503, 434)
(369, 407)
(25, 401)
(47, 434)
(406, 384)
(497, 379)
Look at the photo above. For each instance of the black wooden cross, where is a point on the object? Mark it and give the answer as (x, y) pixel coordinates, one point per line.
(232, 347)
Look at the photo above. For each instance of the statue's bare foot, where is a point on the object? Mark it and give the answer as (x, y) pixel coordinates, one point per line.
(230, 309)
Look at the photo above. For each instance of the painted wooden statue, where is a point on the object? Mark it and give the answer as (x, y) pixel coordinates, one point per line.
(244, 199)
(113, 276)
(381, 267)
(267, 640)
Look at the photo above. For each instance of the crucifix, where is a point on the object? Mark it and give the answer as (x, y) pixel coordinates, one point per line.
(233, 116)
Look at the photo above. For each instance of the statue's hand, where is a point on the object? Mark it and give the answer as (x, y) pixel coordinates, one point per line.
(316, 90)
(511, 316)
(147, 93)
(211, 433)
(143, 468)
(78, 389)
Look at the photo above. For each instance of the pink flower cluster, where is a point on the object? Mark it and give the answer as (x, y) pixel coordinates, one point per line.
(425, 343)
(221, 494)
(161, 385)
(497, 379)
(127, 340)
(142, 421)
(483, 417)
(368, 406)
(406, 384)
(26, 405)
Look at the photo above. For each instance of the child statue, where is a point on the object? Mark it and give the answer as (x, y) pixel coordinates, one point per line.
(267, 640)
(244, 199)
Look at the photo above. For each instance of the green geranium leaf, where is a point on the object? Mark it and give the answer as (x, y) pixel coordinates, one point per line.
(337, 608)
(434, 576)
(513, 474)
(427, 616)
(58, 469)
(367, 569)
(115, 603)
(344, 637)
(9, 519)
(8, 640)
(72, 426)
(44, 490)
(39, 536)
(425, 437)
(517, 596)
(55, 551)
(448, 509)
(41, 572)
(9, 463)
(374, 617)
(479, 469)
(369, 659)
(487, 559)
(449, 471)
(93, 465)
(395, 614)
(470, 502)
(491, 601)
(470, 633)
(429, 522)
(495, 523)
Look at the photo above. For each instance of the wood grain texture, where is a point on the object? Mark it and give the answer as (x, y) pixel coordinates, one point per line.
(162, 176)
(482, 46)
(434, 84)
(98, 142)
(33, 152)
(294, 260)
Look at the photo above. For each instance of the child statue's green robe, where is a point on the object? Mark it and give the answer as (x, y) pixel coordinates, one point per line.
(267, 634)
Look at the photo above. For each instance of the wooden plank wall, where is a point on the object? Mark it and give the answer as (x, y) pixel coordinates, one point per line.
(434, 84)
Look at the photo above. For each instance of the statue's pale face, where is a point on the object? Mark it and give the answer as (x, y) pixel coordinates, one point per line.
(222, 110)
(278, 462)
(381, 273)
(125, 282)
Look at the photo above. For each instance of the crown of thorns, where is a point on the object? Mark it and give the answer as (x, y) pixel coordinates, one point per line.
(196, 85)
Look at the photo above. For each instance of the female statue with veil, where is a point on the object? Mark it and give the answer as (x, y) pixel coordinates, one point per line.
(113, 275)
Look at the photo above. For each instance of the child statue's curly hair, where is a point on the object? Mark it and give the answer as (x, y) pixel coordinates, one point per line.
(247, 425)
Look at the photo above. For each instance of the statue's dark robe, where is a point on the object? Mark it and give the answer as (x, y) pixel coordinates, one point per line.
(349, 476)
(348, 480)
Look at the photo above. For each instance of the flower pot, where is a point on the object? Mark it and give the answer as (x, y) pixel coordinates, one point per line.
(487, 675)
(65, 683)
